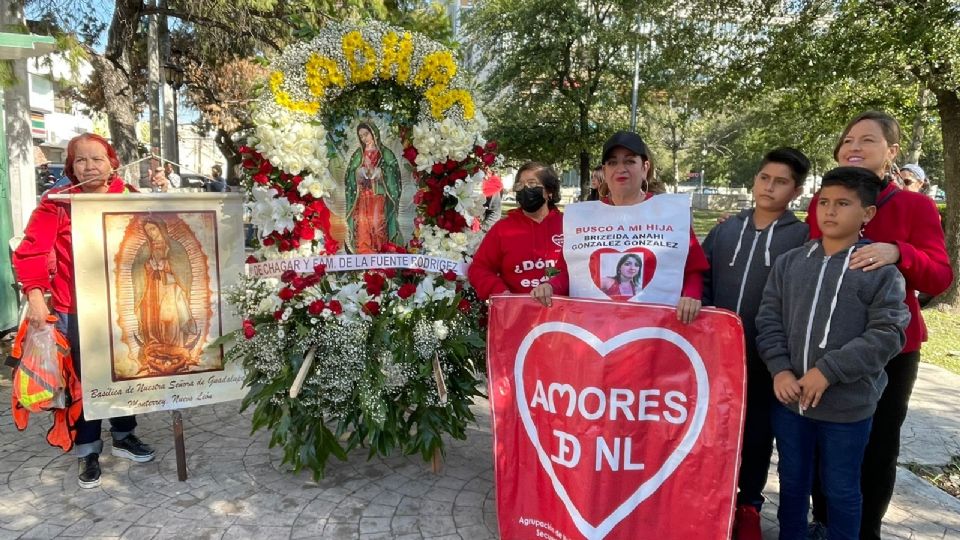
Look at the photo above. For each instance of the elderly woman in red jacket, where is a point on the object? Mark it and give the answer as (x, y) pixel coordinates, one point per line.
(44, 264)
(518, 252)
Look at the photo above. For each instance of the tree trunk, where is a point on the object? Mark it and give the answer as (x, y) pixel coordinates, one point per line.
(948, 105)
(585, 168)
(919, 120)
(230, 154)
(121, 111)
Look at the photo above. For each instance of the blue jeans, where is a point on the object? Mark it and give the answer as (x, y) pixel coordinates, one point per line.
(840, 447)
(88, 431)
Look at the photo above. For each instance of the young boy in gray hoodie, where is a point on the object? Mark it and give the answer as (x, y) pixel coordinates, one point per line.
(825, 332)
(741, 251)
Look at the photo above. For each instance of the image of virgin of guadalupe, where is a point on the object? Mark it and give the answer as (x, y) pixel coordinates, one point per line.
(166, 332)
(373, 187)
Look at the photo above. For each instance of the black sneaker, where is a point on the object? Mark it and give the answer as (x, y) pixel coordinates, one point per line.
(89, 476)
(132, 448)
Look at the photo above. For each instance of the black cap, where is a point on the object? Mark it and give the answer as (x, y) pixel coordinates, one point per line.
(627, 139)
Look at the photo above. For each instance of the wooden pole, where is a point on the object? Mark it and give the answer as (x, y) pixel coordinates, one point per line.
(179, 447)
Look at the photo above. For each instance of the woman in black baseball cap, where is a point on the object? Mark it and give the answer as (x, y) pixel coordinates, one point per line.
(628, 172)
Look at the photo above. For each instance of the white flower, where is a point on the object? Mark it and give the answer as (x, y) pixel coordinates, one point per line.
(318, 185)
(427, 292)
(441, 330)
(269, 305)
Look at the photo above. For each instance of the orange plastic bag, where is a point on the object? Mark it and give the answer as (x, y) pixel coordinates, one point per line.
(38, 383)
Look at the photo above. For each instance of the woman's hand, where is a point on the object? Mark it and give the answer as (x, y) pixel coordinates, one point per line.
(543, 293)
(37, 311)
(687, 309)
(874, 256)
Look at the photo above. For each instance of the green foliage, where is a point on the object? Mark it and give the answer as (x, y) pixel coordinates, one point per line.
(557, 73)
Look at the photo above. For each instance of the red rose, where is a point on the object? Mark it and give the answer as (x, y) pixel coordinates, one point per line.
(372, 308)
(437, 168)
(316, 307)
(410, 154)
(406, 290)
(268, 241)
(320, 269)
(244, 149)
(278, 314)
(299, 283)
(390, 273)
(335, 307)
(286, 293)
(261, 179)
(248, 164)
(458, 174)
(375, 282)
(331, 245)
(288, 276)
(248, 330)
(464, 305)
(252, 260)
(449, 275)
(265, 167)
(491, 146)
(451, 164)
(284, 245)
(488, 159)
(306, 232)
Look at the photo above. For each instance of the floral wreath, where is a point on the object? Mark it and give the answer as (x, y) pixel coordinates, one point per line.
(386, 358)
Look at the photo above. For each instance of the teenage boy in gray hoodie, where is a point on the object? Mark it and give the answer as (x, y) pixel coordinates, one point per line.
(825, 332)
(741, 251)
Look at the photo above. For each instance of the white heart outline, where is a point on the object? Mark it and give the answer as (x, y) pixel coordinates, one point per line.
(603, 348)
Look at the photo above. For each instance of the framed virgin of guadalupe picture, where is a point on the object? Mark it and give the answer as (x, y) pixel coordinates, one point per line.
(151, 274)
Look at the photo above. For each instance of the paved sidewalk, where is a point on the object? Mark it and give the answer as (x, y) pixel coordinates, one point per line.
(237, 488)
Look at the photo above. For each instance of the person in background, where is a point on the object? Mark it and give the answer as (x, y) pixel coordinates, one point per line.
(158, 181)
(172, 177)
(596, 180)
(907, 234)
(741, 252)
(91, 167)
(913, 178)
(825, 331)
(493, 204)
(518, 252)
(217, 184)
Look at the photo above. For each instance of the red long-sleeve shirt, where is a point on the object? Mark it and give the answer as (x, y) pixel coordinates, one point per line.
(44, 259)
(911, 222)
(515, 253)
(693, 269)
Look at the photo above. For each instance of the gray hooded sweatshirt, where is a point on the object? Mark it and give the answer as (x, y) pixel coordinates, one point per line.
(740, 260)
(816, 312)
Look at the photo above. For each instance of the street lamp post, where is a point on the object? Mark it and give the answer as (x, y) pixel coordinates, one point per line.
(173, 74)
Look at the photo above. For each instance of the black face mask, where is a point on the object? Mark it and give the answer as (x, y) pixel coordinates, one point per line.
(530, 199)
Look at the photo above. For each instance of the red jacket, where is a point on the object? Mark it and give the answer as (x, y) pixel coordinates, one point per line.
(693, 270)
(44, 259)
(911, 221)
(515, 253)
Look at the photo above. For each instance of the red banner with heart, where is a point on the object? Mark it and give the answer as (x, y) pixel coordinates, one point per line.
(614, 420)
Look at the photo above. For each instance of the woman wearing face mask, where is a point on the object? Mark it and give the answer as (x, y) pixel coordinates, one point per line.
(906, 232)
(628, 174)
(517, 252)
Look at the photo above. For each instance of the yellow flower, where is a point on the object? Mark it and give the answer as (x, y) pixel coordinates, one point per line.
(353, 43)
(322, 72)
(438, 67)
(282, 98)
(396, 52)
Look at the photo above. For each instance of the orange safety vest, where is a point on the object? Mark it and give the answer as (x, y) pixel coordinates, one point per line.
(34, 394)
